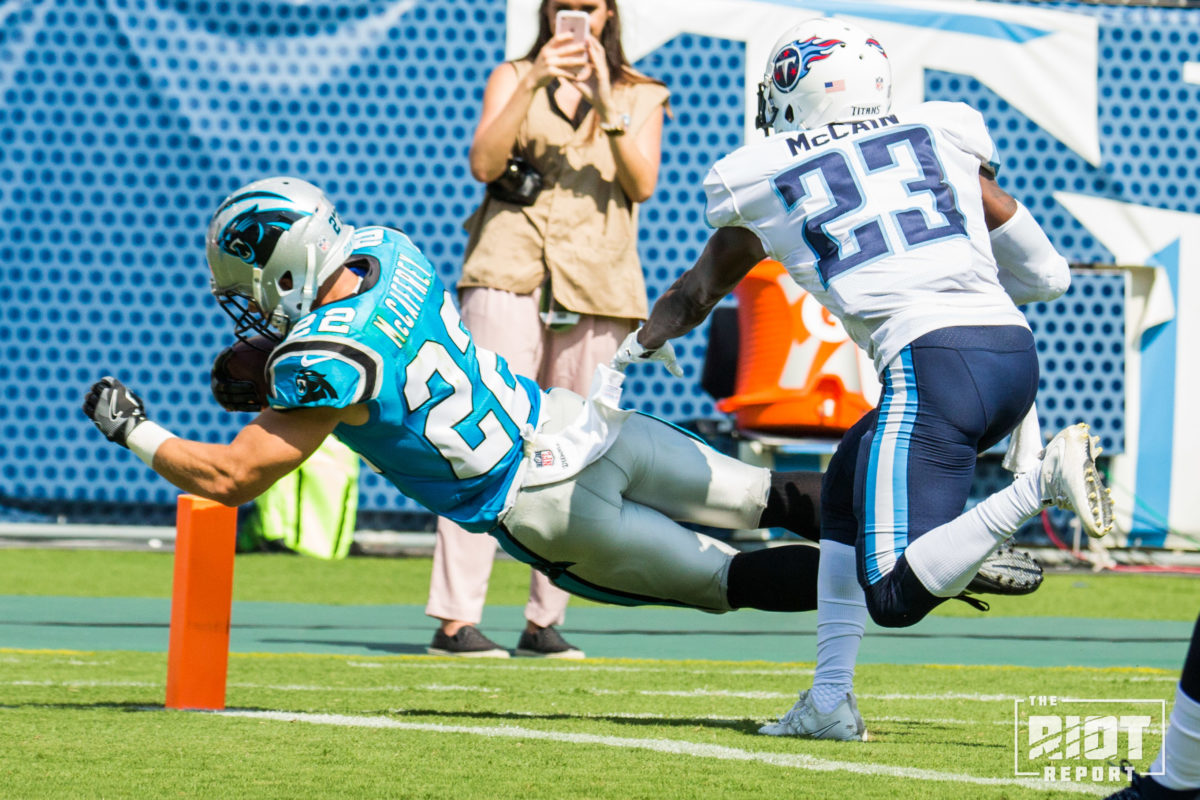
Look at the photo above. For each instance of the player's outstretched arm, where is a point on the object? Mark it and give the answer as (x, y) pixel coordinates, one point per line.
(729, 254)
(1031, 270)
(271, 446)
(264, 451)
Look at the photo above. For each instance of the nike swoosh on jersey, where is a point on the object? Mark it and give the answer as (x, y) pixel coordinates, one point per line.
(307, 360)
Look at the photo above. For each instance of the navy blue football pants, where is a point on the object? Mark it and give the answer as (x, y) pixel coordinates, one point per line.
(907, 466)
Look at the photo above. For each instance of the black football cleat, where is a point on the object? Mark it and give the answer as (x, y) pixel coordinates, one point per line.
(1007, 571)
(1143, 787)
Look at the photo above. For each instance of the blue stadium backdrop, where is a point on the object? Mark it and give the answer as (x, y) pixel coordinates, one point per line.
(124, 123)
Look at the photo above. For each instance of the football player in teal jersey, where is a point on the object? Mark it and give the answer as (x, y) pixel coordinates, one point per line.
(371, 349)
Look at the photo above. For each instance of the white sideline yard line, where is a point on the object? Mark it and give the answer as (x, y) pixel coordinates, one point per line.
(86, 684)
(491, 665)
(74, 662)
(943, 696)
(779, 695)
(499, 664)
(669, 746)
(582, 715)
(434, 687)
(747, 695)
(437, 687)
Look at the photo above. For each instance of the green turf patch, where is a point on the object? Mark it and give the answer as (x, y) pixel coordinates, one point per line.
(89, 724)
(405, 581)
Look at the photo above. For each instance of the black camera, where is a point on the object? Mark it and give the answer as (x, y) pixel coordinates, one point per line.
(519, 184)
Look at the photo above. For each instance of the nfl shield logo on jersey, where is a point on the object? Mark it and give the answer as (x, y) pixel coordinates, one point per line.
(543, 458)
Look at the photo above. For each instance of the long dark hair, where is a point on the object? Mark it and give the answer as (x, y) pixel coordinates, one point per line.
(619, 69)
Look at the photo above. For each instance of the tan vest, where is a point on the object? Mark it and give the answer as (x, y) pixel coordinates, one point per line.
(582, 228)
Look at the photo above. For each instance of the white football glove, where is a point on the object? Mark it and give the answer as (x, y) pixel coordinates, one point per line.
(632, 352)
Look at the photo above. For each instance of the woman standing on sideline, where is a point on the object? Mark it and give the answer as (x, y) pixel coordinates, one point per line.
(568, 142)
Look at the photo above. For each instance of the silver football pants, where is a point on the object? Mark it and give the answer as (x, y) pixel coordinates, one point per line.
(612, 532)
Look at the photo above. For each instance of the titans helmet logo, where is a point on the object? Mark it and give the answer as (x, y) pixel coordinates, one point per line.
(795, 60)
(253, 234)
(311, 385)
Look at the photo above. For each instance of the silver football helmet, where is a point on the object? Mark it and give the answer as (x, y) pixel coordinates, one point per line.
(823, 70)
(270, 246)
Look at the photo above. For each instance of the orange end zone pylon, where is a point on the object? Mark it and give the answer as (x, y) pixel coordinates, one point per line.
(201, 602)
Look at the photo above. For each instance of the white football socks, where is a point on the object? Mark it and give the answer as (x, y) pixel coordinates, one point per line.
(1179, 759)
(841, 619)
(947, 558)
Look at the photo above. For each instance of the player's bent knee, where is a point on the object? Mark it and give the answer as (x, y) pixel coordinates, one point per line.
(887, 613)
(899, 600)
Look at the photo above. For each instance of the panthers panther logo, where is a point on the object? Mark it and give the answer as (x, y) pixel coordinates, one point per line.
(311, 385)
(253, 234)
(795, 60)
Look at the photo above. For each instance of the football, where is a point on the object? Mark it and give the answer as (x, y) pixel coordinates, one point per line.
(239, 380)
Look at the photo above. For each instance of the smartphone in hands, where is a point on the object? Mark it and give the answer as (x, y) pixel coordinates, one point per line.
(572, 22)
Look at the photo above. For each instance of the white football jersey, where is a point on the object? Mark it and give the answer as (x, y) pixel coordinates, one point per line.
(880, 219)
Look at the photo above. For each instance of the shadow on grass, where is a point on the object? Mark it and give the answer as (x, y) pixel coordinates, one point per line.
(741, 725)
(128, 706)
(943, 735)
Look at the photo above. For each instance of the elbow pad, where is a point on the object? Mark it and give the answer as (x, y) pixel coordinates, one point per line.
(1030, 269)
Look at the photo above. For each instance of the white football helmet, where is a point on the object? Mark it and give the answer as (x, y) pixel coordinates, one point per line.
(823, 70)
(273, 243)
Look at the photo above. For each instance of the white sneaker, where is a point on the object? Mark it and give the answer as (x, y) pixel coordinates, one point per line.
(1071, 481)
(804, 721)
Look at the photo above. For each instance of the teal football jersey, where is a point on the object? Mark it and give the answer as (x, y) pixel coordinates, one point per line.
(445, 416)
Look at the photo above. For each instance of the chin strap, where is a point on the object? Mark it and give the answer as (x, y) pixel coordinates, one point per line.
(256, 286)
(764, 106)
(275, 320)
(310, 280)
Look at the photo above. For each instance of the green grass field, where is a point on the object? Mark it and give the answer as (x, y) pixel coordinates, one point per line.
(91, 724)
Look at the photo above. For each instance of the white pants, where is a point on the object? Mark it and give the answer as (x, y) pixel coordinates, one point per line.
(508, 324)
(610, 533)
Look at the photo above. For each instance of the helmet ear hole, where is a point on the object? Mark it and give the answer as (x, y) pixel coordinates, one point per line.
(788, 115)
(285, 282)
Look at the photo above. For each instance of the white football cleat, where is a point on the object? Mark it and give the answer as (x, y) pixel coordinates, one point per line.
(1070, 480)
(803, 721)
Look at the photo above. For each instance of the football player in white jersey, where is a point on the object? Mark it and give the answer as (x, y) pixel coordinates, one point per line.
(893, 220)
